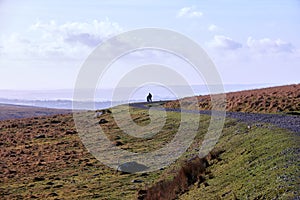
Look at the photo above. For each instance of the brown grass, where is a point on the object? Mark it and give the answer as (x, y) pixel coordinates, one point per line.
(267, 100)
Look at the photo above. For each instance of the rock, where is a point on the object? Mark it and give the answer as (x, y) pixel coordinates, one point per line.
(206, 184)
(144, 174)
(11, 171)
(108, 111)
(38, 179)
(89, 164)
(50, 183)
(117, 137)
(58, 186)
(118, 143)
(132, 167)
(54, 121)
(142, 194)
(98, 114)
(103, 121)
(70, 132)
(40, 136)
(14, 125)
(53, 194)
(137, 181)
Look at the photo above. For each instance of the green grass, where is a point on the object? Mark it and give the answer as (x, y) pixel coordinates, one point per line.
(259, 163)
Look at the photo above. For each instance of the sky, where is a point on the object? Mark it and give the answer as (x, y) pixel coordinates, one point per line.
(43, 44)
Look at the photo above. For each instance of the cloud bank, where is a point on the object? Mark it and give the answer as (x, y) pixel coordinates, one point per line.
(224, 42)
(62, 41)
(267, 45)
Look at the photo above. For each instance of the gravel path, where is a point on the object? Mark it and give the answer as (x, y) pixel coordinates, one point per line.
(290, 122)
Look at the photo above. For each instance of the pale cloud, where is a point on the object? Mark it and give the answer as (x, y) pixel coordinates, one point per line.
(89, 34)
(15, 46)
(223, 42)
(213, 28)
(189, 12)
(267, 45)
(73, 40)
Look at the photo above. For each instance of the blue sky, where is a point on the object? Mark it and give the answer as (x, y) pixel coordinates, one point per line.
(44, 43)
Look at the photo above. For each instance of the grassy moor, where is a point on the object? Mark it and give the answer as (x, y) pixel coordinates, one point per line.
(42, 157)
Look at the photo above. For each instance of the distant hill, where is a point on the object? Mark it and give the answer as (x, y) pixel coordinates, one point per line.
(8, 111)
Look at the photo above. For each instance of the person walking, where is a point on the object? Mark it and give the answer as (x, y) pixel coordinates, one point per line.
(149, 98)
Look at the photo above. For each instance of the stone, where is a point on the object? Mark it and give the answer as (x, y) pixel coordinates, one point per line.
(137, 181)
(132, 167)
(40, 136)
(103, 121)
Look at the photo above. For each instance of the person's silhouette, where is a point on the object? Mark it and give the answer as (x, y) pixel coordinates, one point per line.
(149, 98)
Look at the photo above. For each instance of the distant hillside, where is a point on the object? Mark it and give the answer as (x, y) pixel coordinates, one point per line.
(266, 100)
(8, 111)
